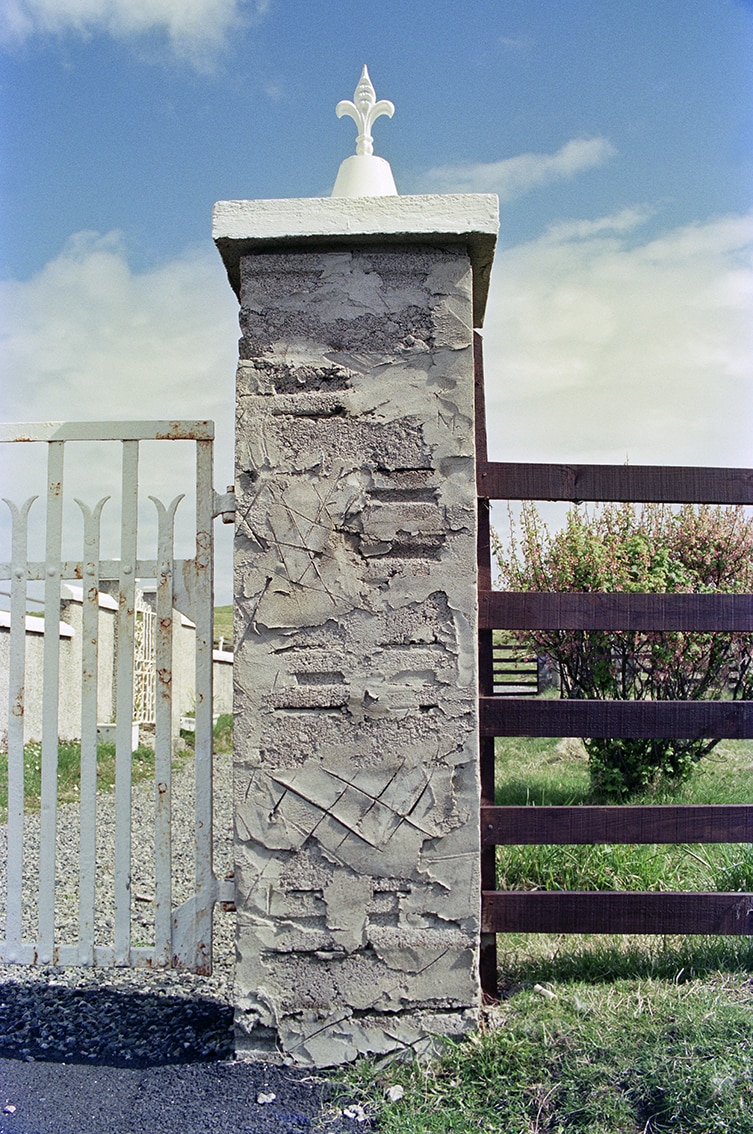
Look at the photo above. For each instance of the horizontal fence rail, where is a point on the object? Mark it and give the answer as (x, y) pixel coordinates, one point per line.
(107, 431)
(610, 912)
(595, 610)
(584, 824)
(681, 720)
(647, 484)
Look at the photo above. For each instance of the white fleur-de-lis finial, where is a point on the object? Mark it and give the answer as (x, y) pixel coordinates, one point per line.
(364, 110)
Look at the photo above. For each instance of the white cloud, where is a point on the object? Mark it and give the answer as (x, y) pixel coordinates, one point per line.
(513, 177)
(89, 339)
(624, 221)
(598, 349)
(194, 29)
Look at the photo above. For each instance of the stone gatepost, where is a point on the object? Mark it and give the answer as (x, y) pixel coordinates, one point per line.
(356, 732)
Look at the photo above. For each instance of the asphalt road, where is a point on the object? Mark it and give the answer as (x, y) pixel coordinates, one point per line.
(109, 1052)
(219, 1097)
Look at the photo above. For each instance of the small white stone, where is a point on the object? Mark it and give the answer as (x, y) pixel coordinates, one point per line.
(394, 1094)
(265, 1097)
(9, 1109)
(356, 1111)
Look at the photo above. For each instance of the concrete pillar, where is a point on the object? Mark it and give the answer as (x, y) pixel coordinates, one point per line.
(356, 736)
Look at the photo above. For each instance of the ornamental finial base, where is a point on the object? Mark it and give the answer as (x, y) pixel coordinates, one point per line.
(364, 175)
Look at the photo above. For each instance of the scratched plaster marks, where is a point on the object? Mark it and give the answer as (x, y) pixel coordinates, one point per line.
(302, 572)
(375, 820)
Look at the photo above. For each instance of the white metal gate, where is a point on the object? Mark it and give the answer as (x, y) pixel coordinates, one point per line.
(145, 665)
(182, 934)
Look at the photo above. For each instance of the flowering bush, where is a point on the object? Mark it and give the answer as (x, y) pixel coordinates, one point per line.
(650, 549)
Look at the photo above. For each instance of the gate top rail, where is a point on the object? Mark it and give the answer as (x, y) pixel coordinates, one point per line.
(107, 431)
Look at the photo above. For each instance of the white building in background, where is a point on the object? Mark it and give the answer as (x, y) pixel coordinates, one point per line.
(69, 629)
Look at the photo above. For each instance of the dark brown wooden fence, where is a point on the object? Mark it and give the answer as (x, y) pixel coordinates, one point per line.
(599, 912)
(516, 673)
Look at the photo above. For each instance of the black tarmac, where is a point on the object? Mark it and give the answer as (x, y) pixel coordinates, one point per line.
(101, 1061)
(217, 1097)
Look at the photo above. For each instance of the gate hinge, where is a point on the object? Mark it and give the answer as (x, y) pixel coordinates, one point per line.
(224, 505)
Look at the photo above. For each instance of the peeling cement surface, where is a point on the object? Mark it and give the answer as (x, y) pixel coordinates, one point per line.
(356, 778)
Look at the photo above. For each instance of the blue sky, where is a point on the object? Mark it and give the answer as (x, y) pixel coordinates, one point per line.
(619, 137)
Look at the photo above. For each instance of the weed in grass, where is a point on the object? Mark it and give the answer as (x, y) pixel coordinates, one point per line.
(223, 733)
(584, 868)
(728, 868)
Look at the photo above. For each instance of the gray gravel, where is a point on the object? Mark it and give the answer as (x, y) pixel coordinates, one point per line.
(127, 1051)
(122, 1015)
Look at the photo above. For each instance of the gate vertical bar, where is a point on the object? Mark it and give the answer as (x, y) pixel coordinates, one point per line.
(163, 708)
(124, 703)
(204, 618)
(16, 707)
(89, 681)
(488, 948)
(50, 709)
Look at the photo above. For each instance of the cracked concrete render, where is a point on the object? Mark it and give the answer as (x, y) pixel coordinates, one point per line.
(357, 843)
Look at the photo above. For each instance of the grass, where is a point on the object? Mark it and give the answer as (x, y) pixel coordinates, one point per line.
(223, 624)
(69, 766)
(630, 1057)
(597, 1034)
(69, 772)
(546, 771)
(222, 734)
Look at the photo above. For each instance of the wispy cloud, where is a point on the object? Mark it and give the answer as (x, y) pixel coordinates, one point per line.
(195, 30)
(518, 44)
(513, 177)
(625, 221)
(599, 347)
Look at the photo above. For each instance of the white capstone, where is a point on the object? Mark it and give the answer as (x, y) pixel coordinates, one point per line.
(365, 175)
(242, 227)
